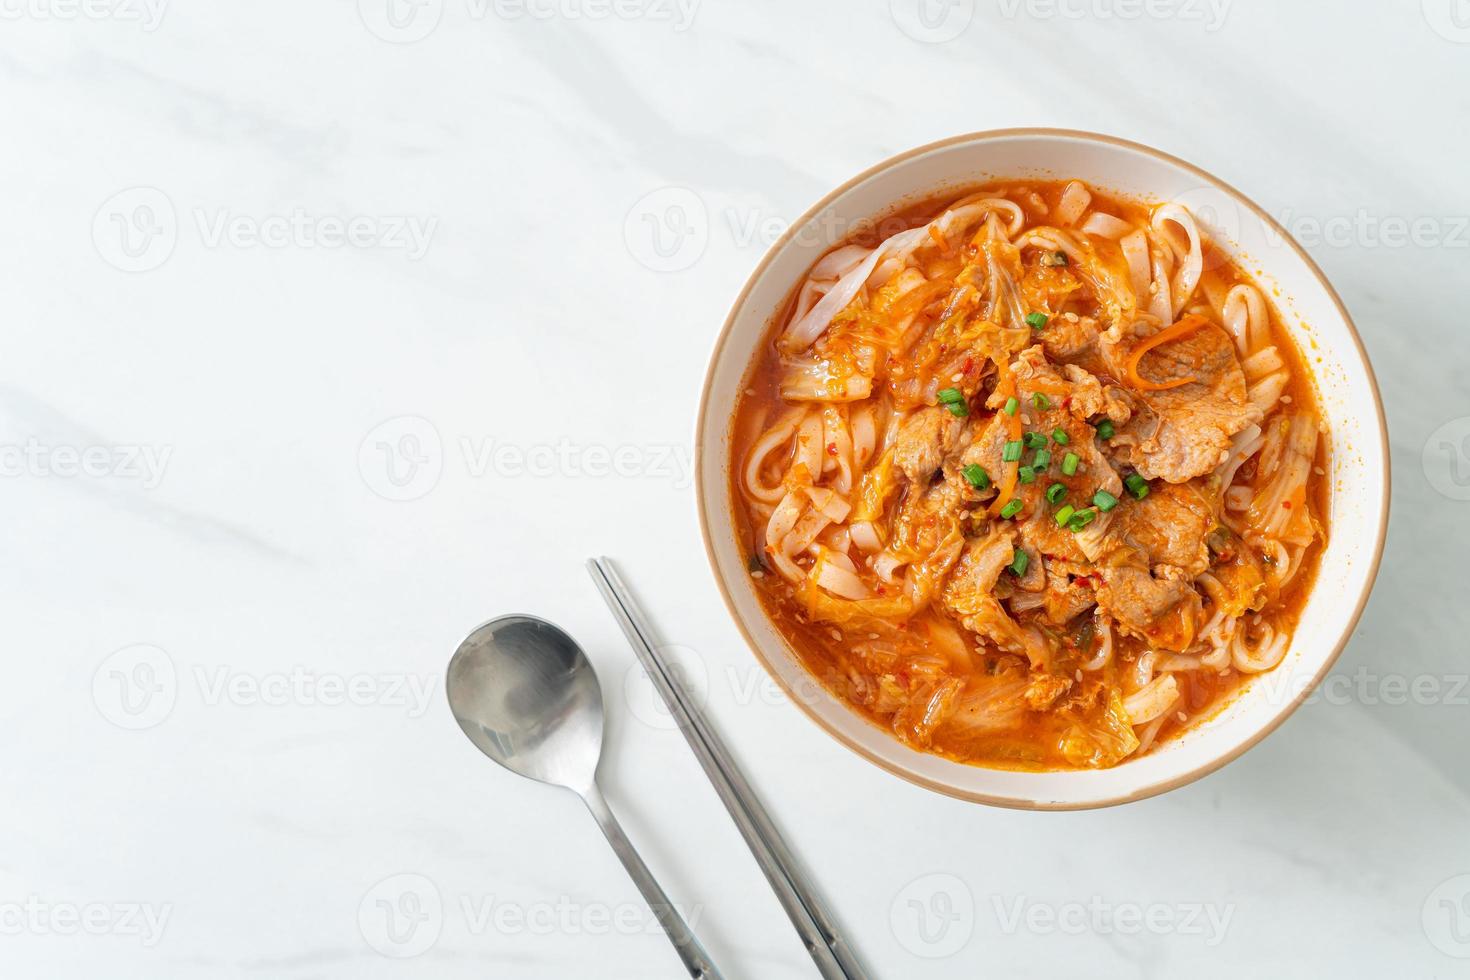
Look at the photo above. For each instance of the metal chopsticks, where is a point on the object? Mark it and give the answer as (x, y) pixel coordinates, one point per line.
(834, 958)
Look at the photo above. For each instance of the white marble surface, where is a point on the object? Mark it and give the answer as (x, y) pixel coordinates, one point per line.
(228, 752)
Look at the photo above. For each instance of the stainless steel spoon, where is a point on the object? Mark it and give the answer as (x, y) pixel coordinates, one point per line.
(526, 695)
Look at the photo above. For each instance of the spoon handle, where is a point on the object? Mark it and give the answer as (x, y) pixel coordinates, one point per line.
(696, 960)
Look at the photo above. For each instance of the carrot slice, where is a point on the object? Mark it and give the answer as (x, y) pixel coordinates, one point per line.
(1183, 328)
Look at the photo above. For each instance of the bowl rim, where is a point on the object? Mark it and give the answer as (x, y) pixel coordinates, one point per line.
(1147, 790)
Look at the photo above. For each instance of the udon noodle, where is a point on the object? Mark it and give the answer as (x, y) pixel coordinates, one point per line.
(1035, 478)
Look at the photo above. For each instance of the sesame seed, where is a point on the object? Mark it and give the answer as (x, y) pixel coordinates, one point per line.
(1286, 399)
(957, 376)
(1319, 471)
(1182, 717)
(757, 574)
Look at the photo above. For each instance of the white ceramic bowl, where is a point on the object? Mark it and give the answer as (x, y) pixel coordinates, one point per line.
(1311, 310)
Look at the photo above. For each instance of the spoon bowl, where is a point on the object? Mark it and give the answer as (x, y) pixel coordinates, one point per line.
(525, 694)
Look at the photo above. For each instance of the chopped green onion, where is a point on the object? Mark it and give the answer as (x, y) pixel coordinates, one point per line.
(1040, 401)
(1105, 429)
(1037, 320)
(1136, 485)
(1011, 406)
(1065, 514)
(1034, 440)
(950, 395)
(1055, 493)
(1019, 562)
(1061, 437)
(1011, 509)
(1081, 519)
(1026, 474)
(976, 476)
(1042, 460)
(1069, 464)
(1012, 451)
(957, 409)
(1104, 500)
